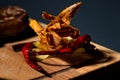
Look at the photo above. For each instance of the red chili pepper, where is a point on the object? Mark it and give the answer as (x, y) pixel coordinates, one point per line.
(32, 63)
(28, 53)
(28, 57)
(53, 52)
(81, 41)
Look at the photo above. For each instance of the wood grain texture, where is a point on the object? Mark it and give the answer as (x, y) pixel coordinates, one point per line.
(13, 65)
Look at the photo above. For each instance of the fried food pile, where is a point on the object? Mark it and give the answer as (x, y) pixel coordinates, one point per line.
(57, 38)
(57, 32)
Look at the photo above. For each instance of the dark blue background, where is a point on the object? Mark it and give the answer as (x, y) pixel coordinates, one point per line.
(99, 18)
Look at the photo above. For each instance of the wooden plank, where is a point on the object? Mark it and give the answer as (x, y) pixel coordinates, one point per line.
(14, 66)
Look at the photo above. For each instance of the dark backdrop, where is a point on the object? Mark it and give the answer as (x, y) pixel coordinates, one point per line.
(99, 18)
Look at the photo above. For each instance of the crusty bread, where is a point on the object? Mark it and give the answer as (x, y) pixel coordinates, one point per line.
(13, 20)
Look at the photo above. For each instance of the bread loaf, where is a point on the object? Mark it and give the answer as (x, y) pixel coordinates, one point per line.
(13, 20)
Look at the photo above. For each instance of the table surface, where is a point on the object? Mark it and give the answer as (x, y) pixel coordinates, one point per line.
(59, 67)
(98, 18)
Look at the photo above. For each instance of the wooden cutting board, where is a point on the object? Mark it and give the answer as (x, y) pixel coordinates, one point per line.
(14, 66)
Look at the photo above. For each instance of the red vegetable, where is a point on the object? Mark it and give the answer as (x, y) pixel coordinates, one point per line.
(29, 54)
(25, 50)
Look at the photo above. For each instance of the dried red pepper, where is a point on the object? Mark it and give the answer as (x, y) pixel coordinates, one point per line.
(29, 54)
(32, 62)
(25, 50)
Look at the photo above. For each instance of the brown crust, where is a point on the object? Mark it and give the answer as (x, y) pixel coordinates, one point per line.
(13, 20)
